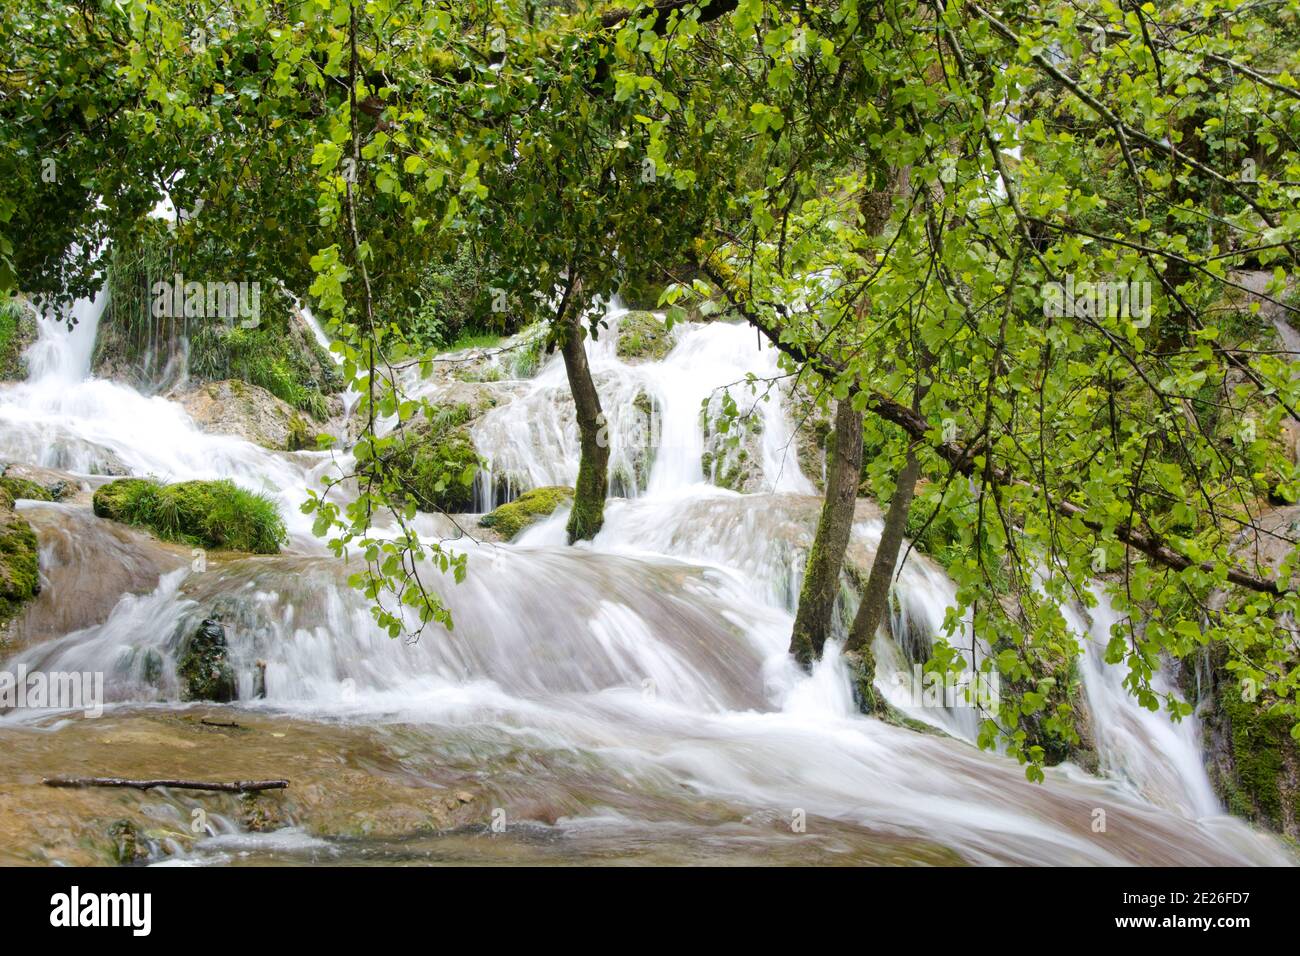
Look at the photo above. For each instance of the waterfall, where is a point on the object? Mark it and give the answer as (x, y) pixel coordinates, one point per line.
(636, 685)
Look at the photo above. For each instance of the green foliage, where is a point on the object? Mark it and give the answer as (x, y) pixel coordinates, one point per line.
(511, 518)
(211, 514)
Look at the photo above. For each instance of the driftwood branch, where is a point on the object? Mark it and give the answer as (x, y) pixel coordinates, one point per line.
(238, 786)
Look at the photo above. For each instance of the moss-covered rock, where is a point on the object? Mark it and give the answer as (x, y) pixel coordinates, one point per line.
(433, 461)
(512, 517)
(25, 488)
(126, 846)
(642, 335)
(39, 484)
(20, 578)
(212, 514)
(1252, 760)
(629, 473)
(17, 332)
(203, 666)
(733, 441)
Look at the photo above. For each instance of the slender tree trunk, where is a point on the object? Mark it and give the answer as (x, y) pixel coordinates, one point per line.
(875, 596)
(821, 583)
(593, 467)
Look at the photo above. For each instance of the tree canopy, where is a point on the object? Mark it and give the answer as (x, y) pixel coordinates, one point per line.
(1012, 234)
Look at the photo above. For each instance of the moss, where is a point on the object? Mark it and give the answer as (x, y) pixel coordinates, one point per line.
(1263, 785)
(204, 666)
(126, 846)
(302, 435)
(17, 332)
(20, 578)
(25, 488)
(642, 335)
(434, 461)
(513, 517)
(588, 513)
(212, 514)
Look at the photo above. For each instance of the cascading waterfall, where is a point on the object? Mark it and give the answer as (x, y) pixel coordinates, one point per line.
(642, 678)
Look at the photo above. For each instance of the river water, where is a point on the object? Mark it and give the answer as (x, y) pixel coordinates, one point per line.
(625, 699)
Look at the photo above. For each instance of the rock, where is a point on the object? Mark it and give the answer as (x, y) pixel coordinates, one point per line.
(733, 442)
(17, 332)
(531, 506)
(126, 846)
(642, 336)
(1252, 760)
(247, 411)
(203, 666)
(435, 461)
(41, 484)
(20, 578)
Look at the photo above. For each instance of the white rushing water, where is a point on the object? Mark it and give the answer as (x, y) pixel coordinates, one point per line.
(645, 673)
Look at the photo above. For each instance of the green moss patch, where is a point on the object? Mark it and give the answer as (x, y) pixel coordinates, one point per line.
(513, 517)
(25, 488)
(17, 332)
(643, 335)
(20, 578)
(212, 514)
(433, 461)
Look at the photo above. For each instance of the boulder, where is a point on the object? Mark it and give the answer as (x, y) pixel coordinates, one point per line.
(203, 666)
(530, 507)
(17, 332)
(642, 336)
(232, 407)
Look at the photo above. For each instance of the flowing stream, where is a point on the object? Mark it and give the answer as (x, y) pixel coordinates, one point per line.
(628, 698)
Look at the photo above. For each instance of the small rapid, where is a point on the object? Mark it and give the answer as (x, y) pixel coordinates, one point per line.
(632, 688)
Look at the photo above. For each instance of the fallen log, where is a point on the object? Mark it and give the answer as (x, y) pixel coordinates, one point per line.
(238, 786)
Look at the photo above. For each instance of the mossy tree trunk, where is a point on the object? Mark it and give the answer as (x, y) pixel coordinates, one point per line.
(593, 467)
(875, 595)
(821, 583)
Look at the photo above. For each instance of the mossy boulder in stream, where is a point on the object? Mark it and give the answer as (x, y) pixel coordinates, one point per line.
(25, 488)
(20, 578)
(38, 484)
(433, 460)
(250, 412)
(1252, 760)
(643, 335)
(528, 508)
(204, 666)
(211, 514)
(17, 332)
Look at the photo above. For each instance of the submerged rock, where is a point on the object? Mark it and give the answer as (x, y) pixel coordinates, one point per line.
(203, 666)
(527, 509)
(17, 332)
